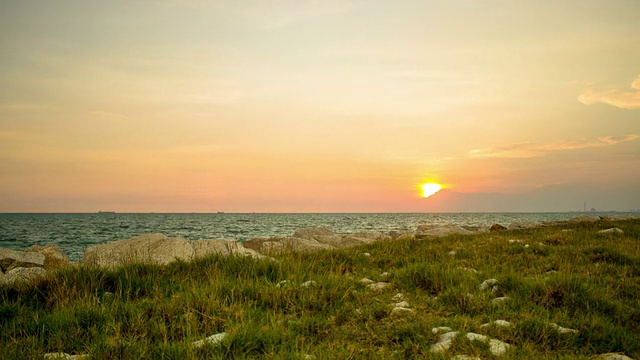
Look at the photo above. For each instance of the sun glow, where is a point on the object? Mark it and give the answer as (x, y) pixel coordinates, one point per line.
(429, 189)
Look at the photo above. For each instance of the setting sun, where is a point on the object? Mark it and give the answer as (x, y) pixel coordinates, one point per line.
(429, 189)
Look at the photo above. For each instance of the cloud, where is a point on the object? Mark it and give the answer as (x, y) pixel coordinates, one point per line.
(623, 99)
(530, 149)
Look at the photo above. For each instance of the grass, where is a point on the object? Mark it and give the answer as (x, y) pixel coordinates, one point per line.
(579, 279)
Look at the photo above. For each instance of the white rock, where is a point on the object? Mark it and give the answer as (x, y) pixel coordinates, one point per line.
(366, 254)
(440, 329)
(401, 310)
(22, 275)
(54, 257)
(309, 357)
(611, 231)
(366, 281)
(213, 339)
(477, 337)
(444, 342)
(308, 283)
(153, 249)
(65, 356)
(497, 347)
(384, 274)
(514, 241)
(283, 283)
(498, 323)
(488, 283)
(378, 286)
(500, 300)
(526, 246)
(465, 357)
(452, 253)
(397, 297)
(204, 248)
(563, 330)
(403, 304)
(613, 356)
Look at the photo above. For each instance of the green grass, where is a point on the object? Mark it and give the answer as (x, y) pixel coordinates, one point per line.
(581, 280)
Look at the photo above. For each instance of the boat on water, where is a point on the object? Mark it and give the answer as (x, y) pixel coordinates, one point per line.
(106, 212)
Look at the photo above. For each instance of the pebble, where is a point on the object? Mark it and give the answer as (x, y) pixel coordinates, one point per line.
(499, 323)
(440, 329)
(378, 286)
(308, 283)
(397, 297)
(366, 281)
(213, 339)
(444, 342)
(488, 283)
(500, 300)
(563, 330)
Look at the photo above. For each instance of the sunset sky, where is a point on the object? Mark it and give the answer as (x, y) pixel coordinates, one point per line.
(319, 106)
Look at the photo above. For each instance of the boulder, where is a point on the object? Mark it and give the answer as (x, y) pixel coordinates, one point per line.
(423, 232)
(611, 231)
(213, 340)
(11, 259)
(519, 225)
(281, 245)
(65, 356)
(613, 356)
(444, 342)
(22, 274)
(497, 227)
(54, 258)
(585, 219)
(203, 248)
(312, 232)
(151, 249)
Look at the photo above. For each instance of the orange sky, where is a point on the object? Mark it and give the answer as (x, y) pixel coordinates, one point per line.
(319, 106)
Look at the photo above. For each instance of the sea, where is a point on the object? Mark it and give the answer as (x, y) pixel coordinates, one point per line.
(73, 233)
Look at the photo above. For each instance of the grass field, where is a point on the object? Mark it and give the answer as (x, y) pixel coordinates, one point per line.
(307, 305)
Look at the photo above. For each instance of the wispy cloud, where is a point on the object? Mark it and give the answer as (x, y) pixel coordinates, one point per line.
(530, 149)
(620, 98)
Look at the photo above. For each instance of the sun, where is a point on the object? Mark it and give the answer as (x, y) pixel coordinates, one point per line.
(429, 189)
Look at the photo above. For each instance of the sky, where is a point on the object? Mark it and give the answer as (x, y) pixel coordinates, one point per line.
(319, 106)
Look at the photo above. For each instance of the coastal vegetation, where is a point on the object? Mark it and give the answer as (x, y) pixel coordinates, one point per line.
(561, 292)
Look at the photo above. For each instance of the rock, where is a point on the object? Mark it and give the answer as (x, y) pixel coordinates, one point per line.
(366, 254)
(567, 230)
(398, 310)
(151, 249)
(213, 339)
(308, 283)
(379, 286)
(23, 274)
(397, 297)
(514, 241)
(612, 356)
(523, 225)
(563, 330)
(452, 253)
(497, 227)
(11, 259)
(444, 342)
(54, 257)
(283, 283)
(440, 231)
(489, 283)
(500, 300)
(465, 357)
(611, 231)
(366, 281)
(403, 304)
(498, 323)
(471, 270)
(282, 245)
(65, 356)
(497, 347)
(309, 357)
(312, 232)
(204, 248)
(440, 329)
(384, 274)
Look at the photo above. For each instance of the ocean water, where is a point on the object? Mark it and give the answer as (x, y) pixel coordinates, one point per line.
(73, 233)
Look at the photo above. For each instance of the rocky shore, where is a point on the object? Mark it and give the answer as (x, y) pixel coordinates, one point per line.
(159, 249)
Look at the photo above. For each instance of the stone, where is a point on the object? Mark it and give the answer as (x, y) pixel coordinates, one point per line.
(308, 283)
(65, 356)
(465, 357)
(22, 275)
(366, 254)
(11, 259)
(204, 248)
(366, 281)
(213, 340)
(563, 330)
(440, 329)
(397, 297)
(498, 323)
(312, 232)
(440, 231)
(384, 274)
(404, 304)
(149, 249)
(487, 284)
(283, 283)
(444, 342)
(497, 227)
(379, 286)
(452, 253)
(514, 241)
(500, 300)
(613, 356)
(523, 225)
(497, 347)
(399, 310)
(611, 231)
(54, 257)
(282, 245)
